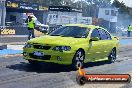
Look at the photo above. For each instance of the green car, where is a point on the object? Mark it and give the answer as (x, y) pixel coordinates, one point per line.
(73, 44)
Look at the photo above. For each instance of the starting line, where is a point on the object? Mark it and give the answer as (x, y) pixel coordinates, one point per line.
(17, 49)
(10, 51)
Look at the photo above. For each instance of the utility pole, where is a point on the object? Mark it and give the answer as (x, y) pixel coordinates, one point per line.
(2, 12)
(81, 3)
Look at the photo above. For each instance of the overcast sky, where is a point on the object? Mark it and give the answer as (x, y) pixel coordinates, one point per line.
(127, 2)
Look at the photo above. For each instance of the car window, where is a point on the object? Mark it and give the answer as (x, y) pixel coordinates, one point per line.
(95, 33)
(71, 31)
(104, 35)
(108, 35)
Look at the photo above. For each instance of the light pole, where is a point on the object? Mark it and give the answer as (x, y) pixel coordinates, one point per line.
(2, 12)
(81, 4)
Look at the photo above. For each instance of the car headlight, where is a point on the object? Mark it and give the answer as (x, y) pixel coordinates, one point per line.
(62, 48)
(27, 45)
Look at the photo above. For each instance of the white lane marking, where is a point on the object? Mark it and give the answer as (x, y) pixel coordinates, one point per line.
(15, 47)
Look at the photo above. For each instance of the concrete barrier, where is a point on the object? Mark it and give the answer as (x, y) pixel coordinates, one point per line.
(17, 31)
(13, 31)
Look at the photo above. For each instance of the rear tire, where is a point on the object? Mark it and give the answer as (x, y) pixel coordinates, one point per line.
(112, 56)
(78, 60)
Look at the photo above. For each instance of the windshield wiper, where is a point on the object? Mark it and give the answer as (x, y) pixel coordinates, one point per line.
(72, 36)
(79, 36)
(55, 35)
(68, 36)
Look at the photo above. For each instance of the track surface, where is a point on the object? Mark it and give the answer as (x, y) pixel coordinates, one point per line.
(17, 73)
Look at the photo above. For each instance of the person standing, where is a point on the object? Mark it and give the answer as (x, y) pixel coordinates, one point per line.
(129, 30)
(31, 25)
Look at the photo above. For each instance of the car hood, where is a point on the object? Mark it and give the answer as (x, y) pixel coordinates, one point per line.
(57, 40)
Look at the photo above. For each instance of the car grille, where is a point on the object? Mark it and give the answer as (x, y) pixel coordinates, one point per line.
(45, 57)
(41, 47)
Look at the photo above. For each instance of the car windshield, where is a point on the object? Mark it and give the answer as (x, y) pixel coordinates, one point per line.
(71, 31)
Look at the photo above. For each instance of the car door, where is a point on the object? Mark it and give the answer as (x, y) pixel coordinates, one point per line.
(106, 42)
(94, 46)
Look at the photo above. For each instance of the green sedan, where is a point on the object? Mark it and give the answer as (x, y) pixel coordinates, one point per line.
(73, 44)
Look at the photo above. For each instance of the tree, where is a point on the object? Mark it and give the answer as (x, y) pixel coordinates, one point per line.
(116, 3)
(125, 13)
(89, 7)
(99, 2)
(52, 2)
(121, 5)
(94, 5)
(67, 2)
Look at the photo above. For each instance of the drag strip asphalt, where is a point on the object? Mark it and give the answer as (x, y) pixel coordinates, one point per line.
(15, 72)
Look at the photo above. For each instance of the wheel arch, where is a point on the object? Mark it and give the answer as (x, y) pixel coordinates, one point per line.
(114, 48)
(80, 49)
(111, 50)
(83, 51)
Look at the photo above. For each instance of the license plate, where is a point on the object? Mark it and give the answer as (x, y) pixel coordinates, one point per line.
(38, 53)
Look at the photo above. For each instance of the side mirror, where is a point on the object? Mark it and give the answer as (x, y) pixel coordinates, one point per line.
(94, 39)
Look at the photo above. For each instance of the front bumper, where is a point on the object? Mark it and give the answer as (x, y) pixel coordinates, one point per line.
(50, 56)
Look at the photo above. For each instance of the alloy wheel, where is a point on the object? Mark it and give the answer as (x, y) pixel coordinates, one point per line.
(79, 59)
(112, 56)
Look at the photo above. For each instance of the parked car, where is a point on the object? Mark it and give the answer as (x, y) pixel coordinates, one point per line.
(41, 27)
(124, 32)
(73, 44)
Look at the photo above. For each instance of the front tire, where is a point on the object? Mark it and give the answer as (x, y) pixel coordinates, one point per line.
(78, 60)
(112, 56)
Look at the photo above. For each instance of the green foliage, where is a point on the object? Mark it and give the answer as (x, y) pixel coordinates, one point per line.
(123, 9)
(99, 2)
(116, 3)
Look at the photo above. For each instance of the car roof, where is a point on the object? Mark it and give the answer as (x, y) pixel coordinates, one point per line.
(83, 25)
